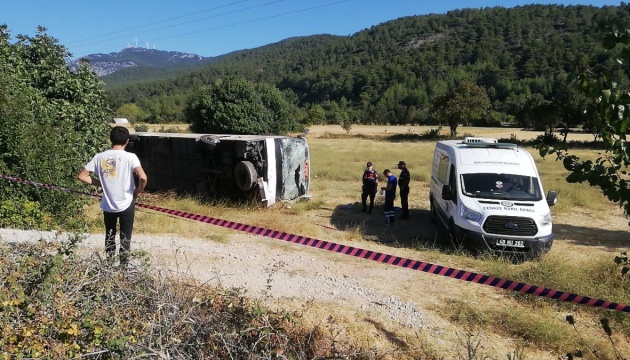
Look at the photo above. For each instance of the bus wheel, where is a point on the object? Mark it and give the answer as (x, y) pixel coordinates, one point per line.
(209, 141)
(245, 175)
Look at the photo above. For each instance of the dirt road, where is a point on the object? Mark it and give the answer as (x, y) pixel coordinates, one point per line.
(387, 304)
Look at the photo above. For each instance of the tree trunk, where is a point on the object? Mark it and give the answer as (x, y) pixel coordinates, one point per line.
(453, 125)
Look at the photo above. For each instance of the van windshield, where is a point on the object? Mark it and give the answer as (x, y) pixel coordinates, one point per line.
(501, 186)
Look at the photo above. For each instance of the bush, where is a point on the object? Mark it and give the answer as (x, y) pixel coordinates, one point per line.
(141, 128)
(172, 129)
(23, 215)
(433, 134)
(548, 139)
(40, 96)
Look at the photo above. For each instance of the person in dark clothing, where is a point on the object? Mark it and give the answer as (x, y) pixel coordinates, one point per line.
(390, 195)
(403, 183)
(370, 186)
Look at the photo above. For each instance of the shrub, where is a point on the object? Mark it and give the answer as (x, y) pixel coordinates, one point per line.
(56, 304)
(41, 96)
(548, 139)
(172, 129)
(23, 215)
(141, 128)
(433, 134)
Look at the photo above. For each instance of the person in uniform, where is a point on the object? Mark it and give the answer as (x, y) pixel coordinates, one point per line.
(390, 195)
(369, 188)
(403, 183)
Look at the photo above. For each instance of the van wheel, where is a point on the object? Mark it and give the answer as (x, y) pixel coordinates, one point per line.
(433, 212)
(453, 238)
(245, 175)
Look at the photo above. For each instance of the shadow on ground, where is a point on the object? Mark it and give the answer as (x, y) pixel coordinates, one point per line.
(586, 236)
(418, 231)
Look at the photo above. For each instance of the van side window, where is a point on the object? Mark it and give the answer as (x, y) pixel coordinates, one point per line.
(452, 181)
(443, 169)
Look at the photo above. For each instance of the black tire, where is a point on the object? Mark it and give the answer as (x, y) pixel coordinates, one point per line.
(245, 175)
(433, 212)
(453, 238)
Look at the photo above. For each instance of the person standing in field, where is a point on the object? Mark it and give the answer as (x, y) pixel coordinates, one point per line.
(390, 195)
(369, 188)
(403, 183)
(114, 170)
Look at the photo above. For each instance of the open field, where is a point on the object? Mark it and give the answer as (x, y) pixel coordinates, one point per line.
(590, 232)
(388, 130)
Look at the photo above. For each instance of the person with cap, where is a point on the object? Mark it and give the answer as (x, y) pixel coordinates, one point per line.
(390, 195)
(403, 183)
(369, 188)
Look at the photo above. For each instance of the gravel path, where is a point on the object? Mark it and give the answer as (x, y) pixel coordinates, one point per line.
(387, 303)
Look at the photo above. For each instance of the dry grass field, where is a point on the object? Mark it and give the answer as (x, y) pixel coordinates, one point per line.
(387, 130)
(590, 231)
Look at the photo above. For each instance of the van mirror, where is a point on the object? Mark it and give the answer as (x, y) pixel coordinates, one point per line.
(552, 198)
(447, 192)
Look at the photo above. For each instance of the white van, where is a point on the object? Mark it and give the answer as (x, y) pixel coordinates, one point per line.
(488, 195)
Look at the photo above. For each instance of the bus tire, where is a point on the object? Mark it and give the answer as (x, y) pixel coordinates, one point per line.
(245, 175)
(209, 141)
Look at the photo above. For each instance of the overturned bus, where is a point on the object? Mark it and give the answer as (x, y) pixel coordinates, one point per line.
(269, 168)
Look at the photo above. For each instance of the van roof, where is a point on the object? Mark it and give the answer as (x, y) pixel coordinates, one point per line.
(496, 159)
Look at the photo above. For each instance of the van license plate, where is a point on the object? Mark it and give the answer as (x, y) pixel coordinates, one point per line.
(511, 243)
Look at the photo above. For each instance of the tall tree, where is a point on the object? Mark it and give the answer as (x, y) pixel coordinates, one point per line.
(132, 112)
(570, 106)
(237, 106)
(460, 104)
(316, 115)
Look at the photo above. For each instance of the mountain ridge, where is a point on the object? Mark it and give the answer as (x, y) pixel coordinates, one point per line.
(129, 57)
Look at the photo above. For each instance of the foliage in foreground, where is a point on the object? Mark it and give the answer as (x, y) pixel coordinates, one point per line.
(609, 171)
(55, 304)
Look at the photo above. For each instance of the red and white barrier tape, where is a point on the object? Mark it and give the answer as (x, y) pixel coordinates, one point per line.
(370, 255)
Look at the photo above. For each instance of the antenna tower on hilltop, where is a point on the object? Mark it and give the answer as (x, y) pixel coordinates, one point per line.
(136, 40)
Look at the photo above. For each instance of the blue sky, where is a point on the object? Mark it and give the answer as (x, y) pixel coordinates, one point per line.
(213, 27)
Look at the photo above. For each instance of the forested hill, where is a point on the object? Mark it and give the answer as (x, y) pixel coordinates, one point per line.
(393, 72)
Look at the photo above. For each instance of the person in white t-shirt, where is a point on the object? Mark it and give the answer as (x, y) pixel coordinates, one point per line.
(114, 169)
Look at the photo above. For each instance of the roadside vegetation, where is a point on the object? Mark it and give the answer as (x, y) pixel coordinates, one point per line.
(55, 304)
